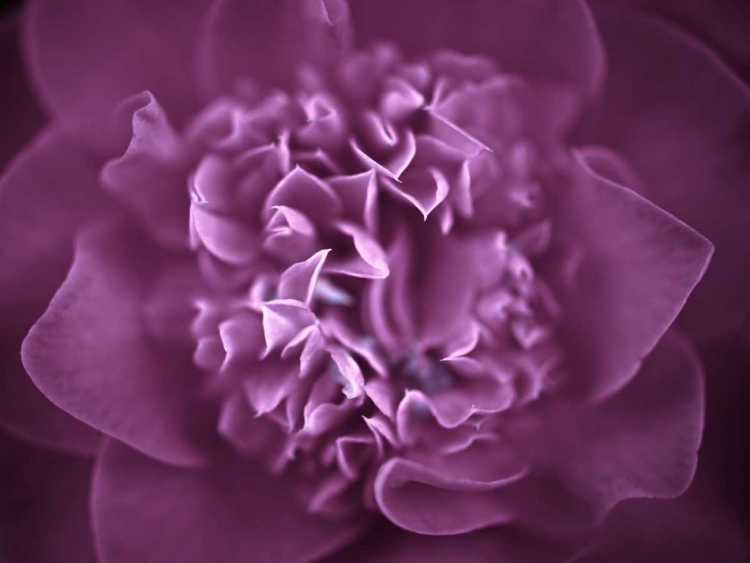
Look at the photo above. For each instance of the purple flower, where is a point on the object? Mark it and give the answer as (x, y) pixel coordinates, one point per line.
(295, 271)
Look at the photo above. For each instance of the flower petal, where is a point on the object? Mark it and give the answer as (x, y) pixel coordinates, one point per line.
(82, 57)
(267, 40)
(641, 443)
(45, 500)
(679, 530)
(507, 31)
(27, 414)
(298, 281)
(498, 545)
(368, 259)
(22, 114)
(442, 293)
(45, 194)
(149, 177)
(145, 511)
(426, 500)
(638, 265)
(680, 117)
(89, 353)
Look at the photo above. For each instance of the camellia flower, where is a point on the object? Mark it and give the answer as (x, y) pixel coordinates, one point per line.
(341, 268)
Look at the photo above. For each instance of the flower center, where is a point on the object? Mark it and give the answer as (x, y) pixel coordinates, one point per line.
(371, 243)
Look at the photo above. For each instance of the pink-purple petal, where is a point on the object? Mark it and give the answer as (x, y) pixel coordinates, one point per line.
(83, 56)
(149, 177)
(571, 50)
(679, 115)
(268, 40)
(149, 512)
(603, 455)
(425, 500)
(45, 194)
(637, 266)
(89, 353)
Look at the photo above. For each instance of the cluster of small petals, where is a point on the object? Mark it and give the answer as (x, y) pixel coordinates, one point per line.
(367, 249)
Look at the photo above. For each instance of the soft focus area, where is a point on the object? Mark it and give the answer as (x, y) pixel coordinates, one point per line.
(298, 281)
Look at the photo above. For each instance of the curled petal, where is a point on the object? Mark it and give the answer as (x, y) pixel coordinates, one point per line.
(298, 281)
(424, 500)
(349, 370)
(150, 177)
(613, 166)
(268, 384)
(301, 190)
(394, 165)
(224, 237)
(369, 260)
(425, 190)
(359, 194)
(283, 319)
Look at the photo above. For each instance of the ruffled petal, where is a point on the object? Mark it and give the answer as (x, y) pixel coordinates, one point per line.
(84, 56)
(642, 443)
(690, 146)
(267, 40)
(449, 496)
(90, 355)
(571, 50)
(149, 177)
(631, 267)
(299, 280)
(145, 511)
(442, 293)
(45, 501)
(368, 260)
(612, 166)
(46, 193)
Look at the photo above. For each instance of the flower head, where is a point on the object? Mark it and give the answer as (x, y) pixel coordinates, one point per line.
(353, 284)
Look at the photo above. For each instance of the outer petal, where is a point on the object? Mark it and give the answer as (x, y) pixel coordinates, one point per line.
(492, 545)
(266, 40)
(681, 117)
(720, 24)
(680, 530)
(22, 114)
(637, 267)
(46, 193)
(149, 178)
(44, 501)
(641, 443)
(85, 55)
(147, 512)
(89, 353)
(507, 31)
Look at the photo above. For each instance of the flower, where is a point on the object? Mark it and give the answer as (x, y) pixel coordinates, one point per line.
(317, 287)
